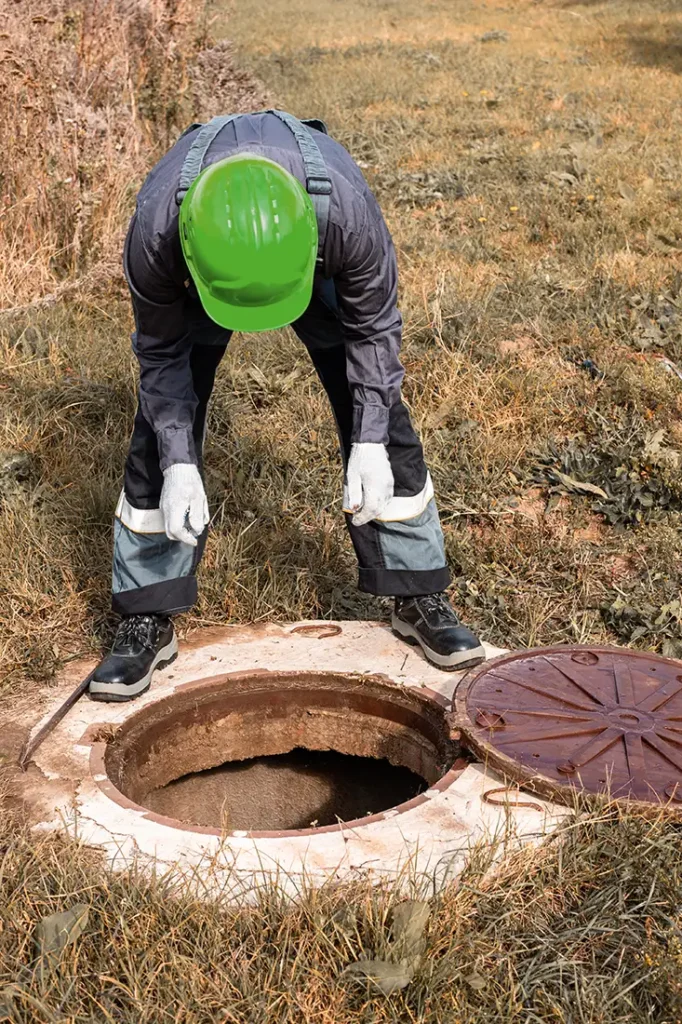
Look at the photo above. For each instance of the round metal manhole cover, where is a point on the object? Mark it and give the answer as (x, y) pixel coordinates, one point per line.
(596, 719)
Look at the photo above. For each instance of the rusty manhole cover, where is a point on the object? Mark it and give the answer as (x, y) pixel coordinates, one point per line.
(597, 719)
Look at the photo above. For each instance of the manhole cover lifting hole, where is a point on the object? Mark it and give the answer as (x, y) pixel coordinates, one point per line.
(600, 720)
(318, 630)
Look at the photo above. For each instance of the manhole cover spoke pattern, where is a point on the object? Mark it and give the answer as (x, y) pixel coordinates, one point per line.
(600, 719)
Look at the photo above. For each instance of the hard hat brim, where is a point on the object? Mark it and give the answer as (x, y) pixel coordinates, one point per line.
(269, 317)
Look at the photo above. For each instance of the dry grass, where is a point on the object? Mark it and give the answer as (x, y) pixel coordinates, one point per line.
(588, 930)
(90, 88)
(94, 92)
(525, 159)
(531, 183)
(530, 179)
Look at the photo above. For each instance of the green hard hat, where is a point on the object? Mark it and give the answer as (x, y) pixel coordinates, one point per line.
(249, 235)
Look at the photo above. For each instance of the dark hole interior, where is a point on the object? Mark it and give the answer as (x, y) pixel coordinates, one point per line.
(300, 789)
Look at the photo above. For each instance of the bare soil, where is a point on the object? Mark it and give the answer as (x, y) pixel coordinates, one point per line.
(302, 789)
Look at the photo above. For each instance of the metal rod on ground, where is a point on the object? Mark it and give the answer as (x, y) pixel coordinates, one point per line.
(32, 745)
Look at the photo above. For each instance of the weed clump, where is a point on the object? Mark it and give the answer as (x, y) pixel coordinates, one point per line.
(89, 91)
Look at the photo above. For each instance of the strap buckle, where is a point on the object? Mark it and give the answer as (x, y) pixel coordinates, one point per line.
(318, 186)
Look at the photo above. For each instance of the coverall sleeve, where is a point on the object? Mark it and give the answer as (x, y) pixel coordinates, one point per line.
(162, 348)
(367, 295)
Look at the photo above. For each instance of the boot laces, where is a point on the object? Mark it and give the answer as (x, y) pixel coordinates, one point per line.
(139, 629)
(439, 604)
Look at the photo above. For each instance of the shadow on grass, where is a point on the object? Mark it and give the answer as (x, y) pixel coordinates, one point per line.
(651, 52)
(654, 43)
(613, 6)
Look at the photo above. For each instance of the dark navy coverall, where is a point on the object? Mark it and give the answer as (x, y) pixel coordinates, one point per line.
(352, 331)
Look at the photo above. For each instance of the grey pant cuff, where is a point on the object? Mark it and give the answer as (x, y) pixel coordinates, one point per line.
(168, 598)
(403, 582)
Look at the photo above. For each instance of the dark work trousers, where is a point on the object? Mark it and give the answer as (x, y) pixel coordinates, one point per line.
(401, 554)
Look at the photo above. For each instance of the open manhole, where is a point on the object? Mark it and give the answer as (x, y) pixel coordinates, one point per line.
(276, 752)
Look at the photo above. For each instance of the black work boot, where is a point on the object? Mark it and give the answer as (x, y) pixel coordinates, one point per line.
(431, 623)
(142, 644)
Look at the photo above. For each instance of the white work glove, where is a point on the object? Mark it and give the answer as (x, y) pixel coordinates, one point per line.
(369, 481)
(183, 503)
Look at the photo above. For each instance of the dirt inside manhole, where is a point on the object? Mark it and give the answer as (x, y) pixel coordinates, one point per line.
(281, 751)
(301, 789)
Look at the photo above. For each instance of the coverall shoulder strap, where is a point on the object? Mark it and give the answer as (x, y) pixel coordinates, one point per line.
(317, 181)
(194, 160)
(194, 125)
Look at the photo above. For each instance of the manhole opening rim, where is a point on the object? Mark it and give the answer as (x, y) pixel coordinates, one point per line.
(99, 771)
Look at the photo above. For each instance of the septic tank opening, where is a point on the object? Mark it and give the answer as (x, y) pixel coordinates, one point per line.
(301, 789)
(265, 752)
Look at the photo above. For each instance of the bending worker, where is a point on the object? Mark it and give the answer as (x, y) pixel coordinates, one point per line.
(249, 223)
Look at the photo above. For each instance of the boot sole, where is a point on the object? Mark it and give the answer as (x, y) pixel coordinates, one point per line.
(454, 662)
(118, 693)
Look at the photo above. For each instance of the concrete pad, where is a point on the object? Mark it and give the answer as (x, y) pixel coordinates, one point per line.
(68, 790)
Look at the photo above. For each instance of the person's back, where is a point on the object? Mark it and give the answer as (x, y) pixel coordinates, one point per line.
(250, 223)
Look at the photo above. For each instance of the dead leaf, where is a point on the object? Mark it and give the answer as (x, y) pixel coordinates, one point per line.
(627, 191)
(662, 242)
(345, 919)
(672, 649)
(54, 933)
(658, 454)
(442, 412)
(579, 486)
(257, 375)
(553, 503)
(386, 976)
(7, 1004)
(578, 167)
(671, 367)
(654, 442)
(476, 981)
(409, 922)
(671, 243)
(564, 177)
(650, 332)
(494, 36)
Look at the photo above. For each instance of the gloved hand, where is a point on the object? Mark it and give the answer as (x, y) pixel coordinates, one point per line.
(183, 503)
(369, 481)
